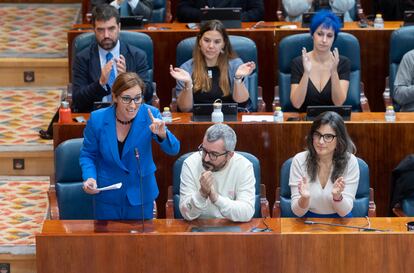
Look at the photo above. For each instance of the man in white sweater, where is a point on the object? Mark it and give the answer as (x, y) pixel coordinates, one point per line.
(217, 182)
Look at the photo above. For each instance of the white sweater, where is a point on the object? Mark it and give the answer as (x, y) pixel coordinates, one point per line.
(321, 200)
(235, 185)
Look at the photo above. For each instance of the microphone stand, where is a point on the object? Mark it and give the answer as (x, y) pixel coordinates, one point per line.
(140, 189)
(344, 226)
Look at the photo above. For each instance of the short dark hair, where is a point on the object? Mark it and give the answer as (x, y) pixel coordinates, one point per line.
(104, 13)
(327, 19)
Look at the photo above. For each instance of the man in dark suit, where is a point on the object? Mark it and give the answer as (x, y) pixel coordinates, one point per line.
(189, 10)
(95, 68)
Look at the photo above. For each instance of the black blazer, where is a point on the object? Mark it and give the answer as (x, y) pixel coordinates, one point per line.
(86, 71)
(189, 10)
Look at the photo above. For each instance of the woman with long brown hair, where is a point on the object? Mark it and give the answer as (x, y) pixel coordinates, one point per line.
(214, 72)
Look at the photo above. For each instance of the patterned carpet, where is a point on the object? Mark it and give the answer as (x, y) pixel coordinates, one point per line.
(22, 114)
(36, 30)
(23, 208)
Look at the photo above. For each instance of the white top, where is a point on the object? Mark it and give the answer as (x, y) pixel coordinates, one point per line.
(235, 185)
(132, 4)
(321, 200)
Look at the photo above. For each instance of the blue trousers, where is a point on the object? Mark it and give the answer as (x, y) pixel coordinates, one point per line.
(105, 211)
(310, 214)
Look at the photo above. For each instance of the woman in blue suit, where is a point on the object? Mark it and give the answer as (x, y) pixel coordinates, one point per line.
(117, 147)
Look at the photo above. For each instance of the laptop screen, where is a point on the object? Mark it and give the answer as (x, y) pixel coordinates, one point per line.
(230, 17)
(313, 111)
(202, 111)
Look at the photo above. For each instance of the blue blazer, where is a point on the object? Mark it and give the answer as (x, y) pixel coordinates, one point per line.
(99, 157)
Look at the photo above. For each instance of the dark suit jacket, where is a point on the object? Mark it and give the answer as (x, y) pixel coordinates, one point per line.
(99, 156)
(86, 71)
(402, 181)
(189, 10)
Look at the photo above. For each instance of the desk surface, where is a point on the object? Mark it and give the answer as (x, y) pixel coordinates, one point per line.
(84, 246)
(374, 45)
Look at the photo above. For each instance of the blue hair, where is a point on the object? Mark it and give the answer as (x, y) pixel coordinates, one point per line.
(327, 19)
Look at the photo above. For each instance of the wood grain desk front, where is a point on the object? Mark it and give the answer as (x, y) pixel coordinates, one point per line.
(169, 246)
(374, 44)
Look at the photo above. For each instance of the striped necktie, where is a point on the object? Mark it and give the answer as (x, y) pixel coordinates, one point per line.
(111, 78)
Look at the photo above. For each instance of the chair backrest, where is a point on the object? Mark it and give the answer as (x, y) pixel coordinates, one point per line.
(72, 201)
(400, 43)
(407, 206)
(178, 164)
(158, 10)
(244, 47)
(136, 39)
(361, 203)
(291, 46)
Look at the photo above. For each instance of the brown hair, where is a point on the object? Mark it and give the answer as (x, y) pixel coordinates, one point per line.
(125, 81)
(200, 75)
(104, 13)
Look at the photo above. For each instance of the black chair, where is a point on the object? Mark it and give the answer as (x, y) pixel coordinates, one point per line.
(172, 205)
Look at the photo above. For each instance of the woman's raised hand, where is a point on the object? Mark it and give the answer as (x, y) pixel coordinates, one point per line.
(303, 188)
(180, 74)
(157, 126)
(245, 69)
(307, 64)
(334, 60)
(338, 188)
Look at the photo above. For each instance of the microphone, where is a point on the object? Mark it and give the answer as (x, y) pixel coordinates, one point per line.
(307, 222)
(140, 187)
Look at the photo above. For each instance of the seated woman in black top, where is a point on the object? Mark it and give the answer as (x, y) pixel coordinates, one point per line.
(321, 76)
(214, 72)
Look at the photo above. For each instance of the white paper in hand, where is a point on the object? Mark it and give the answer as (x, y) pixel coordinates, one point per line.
(111, 187)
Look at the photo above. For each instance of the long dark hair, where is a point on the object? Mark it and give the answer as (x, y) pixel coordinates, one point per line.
(200, 75)
(344, 145)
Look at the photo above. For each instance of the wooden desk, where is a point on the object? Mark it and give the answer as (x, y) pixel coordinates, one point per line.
(168, 246)
(88, 246)
(374, 45)
(382, 145)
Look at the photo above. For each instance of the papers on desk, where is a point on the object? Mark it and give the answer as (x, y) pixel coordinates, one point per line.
(257, 118)
(111, 187)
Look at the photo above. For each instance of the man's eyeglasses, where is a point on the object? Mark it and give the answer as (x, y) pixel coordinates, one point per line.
(128, 99)
(212, 155)
(328, 138)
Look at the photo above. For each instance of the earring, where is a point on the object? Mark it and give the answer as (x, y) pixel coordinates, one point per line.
(222, 51)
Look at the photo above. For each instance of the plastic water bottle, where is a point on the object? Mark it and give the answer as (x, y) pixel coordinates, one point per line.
(278, 114)
(378, 22)
(217, 115)
(166, 115)
(390, 114)
(65, 114)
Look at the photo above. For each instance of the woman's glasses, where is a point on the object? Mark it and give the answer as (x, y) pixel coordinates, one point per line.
(128, 99)
(328, 138)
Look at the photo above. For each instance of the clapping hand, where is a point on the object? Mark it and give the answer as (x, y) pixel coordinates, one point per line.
(338, 188)
(157, 126)
(307, 64)
(334, 60)
(89, 186)
(120, 64)
(106, 70)
(180, 74)
(303, 188)
(245, 69)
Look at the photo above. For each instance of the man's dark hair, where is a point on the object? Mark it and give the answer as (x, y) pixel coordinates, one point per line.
(104, 13)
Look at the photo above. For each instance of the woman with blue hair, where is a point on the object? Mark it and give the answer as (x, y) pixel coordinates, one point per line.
(321, 76)
(295, 8)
